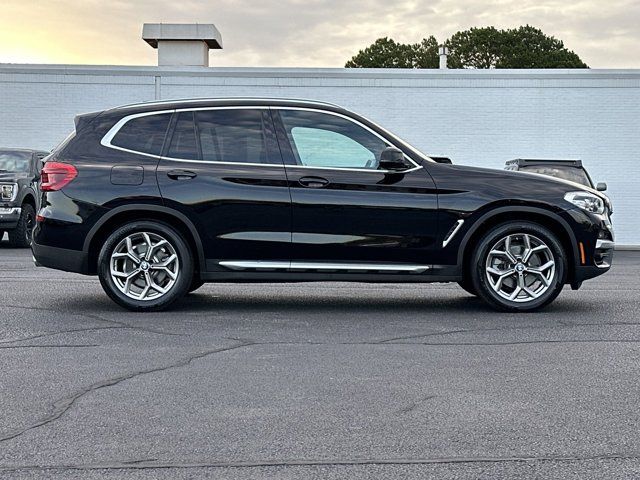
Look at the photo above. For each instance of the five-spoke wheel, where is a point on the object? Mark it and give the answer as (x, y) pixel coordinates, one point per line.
(145, 266)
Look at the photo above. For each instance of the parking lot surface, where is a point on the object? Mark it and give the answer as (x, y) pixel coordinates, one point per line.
(327, 380)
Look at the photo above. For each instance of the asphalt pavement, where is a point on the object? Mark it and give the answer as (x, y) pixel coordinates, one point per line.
(326, 380)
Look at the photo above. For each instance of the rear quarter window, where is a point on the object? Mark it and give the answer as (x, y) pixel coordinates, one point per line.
(143, 134)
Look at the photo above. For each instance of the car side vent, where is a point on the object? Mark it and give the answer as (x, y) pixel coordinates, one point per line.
(452, 231)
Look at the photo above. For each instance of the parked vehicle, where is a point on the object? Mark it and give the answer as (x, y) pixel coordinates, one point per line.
(158, 198)
(571, 170)
(19, 196)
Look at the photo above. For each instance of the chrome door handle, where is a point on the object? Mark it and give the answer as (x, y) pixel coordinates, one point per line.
(313, 182)
(181, 174)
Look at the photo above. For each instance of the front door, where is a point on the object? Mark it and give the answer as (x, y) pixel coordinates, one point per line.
(222, 168)
(345, 208)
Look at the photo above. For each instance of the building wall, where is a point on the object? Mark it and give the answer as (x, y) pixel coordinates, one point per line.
(479, 118)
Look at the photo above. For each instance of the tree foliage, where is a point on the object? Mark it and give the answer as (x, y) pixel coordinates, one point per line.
(387, 53)
(487, 47)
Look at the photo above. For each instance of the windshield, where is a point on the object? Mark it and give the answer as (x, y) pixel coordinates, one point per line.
(572, 174)
(14, 161)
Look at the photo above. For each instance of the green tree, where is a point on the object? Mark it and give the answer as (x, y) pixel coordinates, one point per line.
(386, 53)
(523, 47)
(487, 47)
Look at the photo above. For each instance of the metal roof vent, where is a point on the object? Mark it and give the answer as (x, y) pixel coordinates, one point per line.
(182, 44)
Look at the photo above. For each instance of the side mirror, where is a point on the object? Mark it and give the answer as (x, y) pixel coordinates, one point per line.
(392, 158)
(601, 186)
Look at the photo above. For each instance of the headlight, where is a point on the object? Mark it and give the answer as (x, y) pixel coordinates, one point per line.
(586, 201)
(6, 192)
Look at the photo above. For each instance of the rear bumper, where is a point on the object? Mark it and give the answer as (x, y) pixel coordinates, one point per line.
(60, 258)
(9, 217)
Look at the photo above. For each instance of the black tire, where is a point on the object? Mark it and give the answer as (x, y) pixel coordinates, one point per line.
(20, 237)
(184, 273)
(467, 286)
(555, 251)
(196, 283)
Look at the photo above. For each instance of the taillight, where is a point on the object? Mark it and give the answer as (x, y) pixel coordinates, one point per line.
(56, 175)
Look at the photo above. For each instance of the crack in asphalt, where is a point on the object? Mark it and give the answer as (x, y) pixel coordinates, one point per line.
(145, 464)
(63, 405)
(415, 404)
(95, 317)
(82, 345)
(51, 334)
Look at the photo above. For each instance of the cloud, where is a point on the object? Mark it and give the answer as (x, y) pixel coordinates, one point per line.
(303, 33)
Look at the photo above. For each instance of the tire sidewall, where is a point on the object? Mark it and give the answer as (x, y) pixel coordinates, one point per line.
(20, 236)
(481, 283)
(185, 273)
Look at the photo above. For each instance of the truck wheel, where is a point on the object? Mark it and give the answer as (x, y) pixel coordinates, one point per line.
(519, 267)
(20, 236)
(145, 266)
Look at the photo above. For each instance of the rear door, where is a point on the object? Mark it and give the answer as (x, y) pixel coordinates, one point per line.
(222, 168)
(345, 207)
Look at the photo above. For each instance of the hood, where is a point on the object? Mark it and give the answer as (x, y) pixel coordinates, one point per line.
(11, 177)
(518, 182)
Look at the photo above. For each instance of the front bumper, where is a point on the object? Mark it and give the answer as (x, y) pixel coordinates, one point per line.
(60, 258)
(9, 217)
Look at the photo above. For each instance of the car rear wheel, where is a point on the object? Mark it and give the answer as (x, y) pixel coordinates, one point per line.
(519, 266)
(20, 236)
(145, 266)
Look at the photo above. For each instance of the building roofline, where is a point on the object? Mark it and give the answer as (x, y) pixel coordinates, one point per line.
(354, 73)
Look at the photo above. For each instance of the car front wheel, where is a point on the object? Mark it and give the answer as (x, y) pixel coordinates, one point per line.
(145, 266)
(519, 266)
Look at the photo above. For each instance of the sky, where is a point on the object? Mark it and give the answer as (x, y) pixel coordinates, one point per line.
(303, 33)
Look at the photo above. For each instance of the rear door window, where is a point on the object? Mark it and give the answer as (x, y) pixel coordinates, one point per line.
(233, 135)
(143, 134)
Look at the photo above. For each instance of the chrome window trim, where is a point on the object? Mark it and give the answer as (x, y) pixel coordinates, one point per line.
(322, 266)
(352, 120)
(446, 241)
(107, 139)
(113, 131)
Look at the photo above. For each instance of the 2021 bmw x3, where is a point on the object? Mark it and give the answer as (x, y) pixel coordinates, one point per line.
(158, 198)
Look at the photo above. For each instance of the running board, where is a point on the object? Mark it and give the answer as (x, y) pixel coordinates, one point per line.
(322, 266)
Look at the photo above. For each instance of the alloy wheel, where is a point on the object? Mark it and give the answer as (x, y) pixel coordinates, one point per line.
(520, 267)
(144, 266)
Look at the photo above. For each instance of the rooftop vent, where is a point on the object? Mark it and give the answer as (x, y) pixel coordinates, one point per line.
(182, 44)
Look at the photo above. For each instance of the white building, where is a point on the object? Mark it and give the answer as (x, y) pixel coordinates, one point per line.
(480, 118)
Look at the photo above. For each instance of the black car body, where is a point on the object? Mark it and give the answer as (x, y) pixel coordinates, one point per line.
(572, 170)
(270, 190)
(19, 195)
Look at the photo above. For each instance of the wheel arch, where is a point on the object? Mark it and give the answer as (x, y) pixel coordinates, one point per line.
(30, 199)
(129, 213)
(543, 217)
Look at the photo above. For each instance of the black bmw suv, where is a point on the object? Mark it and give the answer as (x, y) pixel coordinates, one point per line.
(158, 198)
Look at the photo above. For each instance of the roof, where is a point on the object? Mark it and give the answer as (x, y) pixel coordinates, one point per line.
(25, 150)
(221, 101)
